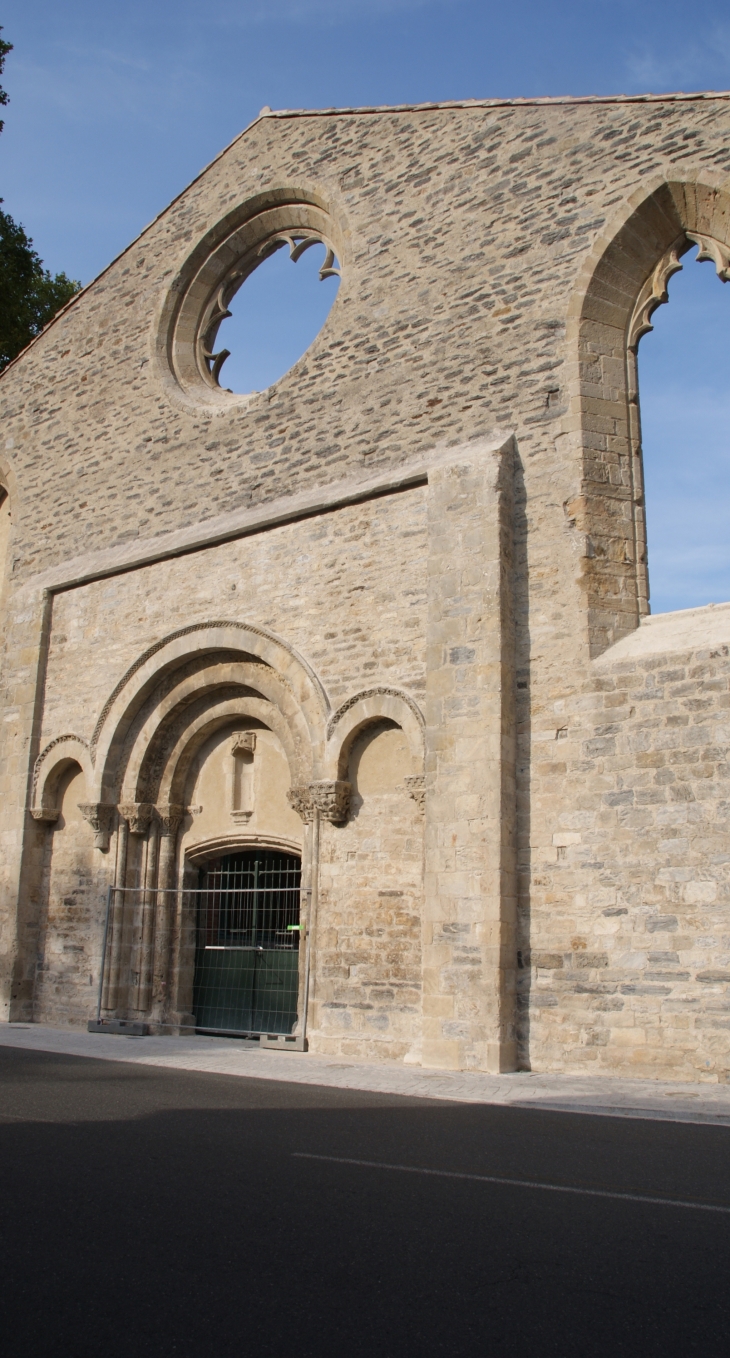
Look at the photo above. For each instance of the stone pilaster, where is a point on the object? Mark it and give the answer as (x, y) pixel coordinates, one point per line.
(24, 629)
(470, 905)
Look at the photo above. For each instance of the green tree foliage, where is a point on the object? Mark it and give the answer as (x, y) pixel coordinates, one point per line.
(5, 47)
(29, 295)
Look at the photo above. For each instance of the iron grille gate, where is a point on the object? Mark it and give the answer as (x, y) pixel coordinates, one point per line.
(247, 946)
(243, 922)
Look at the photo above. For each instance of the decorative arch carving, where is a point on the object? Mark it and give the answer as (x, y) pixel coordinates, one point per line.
(54, 760)
(199, 296)
(199, 854)
(288, 671)
(654, 292)
(620, 287)
(194, 735)
(242, 689)
(365, 709)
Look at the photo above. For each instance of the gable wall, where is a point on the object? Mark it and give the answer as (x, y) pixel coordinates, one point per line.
(466, 238)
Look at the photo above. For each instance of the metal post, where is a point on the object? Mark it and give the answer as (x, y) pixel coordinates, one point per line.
(313, 893)
(255, 911)
(103, 952)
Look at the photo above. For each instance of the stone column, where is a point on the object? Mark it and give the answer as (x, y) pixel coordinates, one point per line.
(139, 818)
(169, 824)
(470, 888)
(150, 917)
(111, 997)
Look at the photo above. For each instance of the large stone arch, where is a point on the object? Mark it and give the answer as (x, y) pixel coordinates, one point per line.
(620, 286)
(194, 735)
(148, 751)
(289, 673)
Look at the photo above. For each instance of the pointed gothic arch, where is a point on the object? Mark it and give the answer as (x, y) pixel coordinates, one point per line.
(621, 285)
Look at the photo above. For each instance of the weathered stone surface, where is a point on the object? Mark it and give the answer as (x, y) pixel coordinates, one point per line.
(414, 568)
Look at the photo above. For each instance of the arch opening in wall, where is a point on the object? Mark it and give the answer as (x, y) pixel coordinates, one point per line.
(247, 953)
(625, 281)
(275, 315)
(684, 396)
(251, 298)
(70, 908)
(379, 761)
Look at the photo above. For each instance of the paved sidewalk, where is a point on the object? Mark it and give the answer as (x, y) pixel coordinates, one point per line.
(706, 1103)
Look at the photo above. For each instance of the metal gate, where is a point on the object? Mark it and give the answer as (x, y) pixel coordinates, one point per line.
(247, 944)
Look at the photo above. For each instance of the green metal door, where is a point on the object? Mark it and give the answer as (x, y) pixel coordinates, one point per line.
(247, 953)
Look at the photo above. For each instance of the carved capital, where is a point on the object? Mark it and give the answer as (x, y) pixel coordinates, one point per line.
(45, 813)
(300, 799)
(243, 740)
(332, 800)
(170, 817)
(138, 816)
(416, 788)
(100, 818)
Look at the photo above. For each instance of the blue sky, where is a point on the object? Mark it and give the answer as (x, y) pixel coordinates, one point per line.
(116, 106)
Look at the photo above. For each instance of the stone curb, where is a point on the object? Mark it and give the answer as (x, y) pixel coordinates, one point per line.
(651, 1099)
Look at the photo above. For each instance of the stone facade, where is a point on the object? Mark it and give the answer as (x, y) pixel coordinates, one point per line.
(391, 614)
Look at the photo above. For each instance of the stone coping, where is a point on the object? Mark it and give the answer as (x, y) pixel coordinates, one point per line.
(672, 96)
(687, 629)
(604, 1096)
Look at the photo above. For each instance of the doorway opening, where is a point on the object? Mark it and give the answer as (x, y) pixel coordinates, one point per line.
(247, 944)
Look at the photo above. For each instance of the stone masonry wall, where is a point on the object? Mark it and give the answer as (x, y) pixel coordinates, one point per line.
(626, 957)
(320, 584)
(471, 238)
(367, 995)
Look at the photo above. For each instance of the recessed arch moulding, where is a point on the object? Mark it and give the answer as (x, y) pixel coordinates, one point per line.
(199, 696)
(621, 285)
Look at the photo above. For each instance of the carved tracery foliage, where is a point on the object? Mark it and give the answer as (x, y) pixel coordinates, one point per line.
(200, 296)
(218, 310)
(654, 292)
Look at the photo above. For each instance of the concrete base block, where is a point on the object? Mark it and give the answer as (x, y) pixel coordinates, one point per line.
(122, 1027)
(283, 1042)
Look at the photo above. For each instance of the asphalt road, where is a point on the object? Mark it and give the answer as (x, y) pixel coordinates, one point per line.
(146, 1212)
